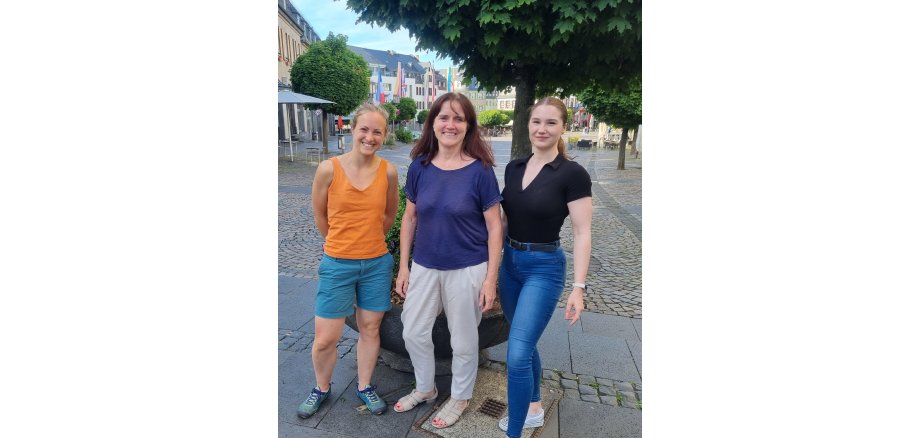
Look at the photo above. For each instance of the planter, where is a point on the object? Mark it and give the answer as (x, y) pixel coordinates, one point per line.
(493, 330)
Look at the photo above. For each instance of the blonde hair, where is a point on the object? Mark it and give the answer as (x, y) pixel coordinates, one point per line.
(371, 108)
(559, 105)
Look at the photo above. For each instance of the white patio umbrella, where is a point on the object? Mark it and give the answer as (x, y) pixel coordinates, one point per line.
(290, 97)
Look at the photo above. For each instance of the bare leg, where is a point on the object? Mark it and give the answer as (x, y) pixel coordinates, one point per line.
(328, 333)
(368, 344)
(535, 407)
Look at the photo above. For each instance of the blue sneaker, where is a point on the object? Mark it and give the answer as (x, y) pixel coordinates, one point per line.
(311, 404)
(370, 398)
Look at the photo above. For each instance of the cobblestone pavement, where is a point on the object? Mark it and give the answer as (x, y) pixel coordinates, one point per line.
(615, 270)
(296, 341)
(588, 388)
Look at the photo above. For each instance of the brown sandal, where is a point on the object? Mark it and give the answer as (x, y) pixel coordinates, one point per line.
(412, 400)
(449, 414)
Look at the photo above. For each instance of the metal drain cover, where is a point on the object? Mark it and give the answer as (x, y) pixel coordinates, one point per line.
(492, 407)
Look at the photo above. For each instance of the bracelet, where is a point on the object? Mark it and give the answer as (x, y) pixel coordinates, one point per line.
(581, 285)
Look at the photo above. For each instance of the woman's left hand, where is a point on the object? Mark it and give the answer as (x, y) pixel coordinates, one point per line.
(574, 305)
(487, 296)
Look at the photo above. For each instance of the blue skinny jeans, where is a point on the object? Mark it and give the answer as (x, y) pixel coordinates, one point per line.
(530, 283)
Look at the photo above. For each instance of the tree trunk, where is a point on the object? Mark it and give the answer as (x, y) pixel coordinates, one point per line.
(632, 148)
(325, 132)
(624, 137)
(525, 85)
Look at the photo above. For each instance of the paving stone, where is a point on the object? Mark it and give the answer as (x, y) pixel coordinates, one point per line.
(609, 400)
(623, 386)
(635, 349)
(606, 390)
(585, 389)
(613, 362)
(572, 393)
(612, 326)
(568, 384)
(629, 398)
(286, 343)
(554, 345)
(579, 419)
(549, 375)
(604, 382)
(568, 376)
(586, 380)
(552, 384)
(590, 398)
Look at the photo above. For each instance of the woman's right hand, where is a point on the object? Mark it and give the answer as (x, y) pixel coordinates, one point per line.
(402, 281)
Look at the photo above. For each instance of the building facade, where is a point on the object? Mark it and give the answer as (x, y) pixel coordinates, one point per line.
(294, 38)
(419, 80)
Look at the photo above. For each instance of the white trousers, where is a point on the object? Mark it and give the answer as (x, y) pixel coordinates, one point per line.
(457, 292)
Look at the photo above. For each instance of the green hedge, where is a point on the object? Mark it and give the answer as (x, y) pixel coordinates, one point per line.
(403, 135)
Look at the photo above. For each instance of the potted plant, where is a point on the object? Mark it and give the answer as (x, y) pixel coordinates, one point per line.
(493, 329)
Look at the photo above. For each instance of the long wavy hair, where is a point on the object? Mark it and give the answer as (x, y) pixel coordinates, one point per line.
(563, 114)
(474, 144)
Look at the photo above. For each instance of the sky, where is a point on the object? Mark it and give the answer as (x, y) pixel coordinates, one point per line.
(334, 16)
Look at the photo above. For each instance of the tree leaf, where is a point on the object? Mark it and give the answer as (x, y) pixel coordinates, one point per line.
(492, 38)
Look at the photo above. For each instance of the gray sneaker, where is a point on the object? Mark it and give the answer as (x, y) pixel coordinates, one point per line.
(530, 421)
(311, 404)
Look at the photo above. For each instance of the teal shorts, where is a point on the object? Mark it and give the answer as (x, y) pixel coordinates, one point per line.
(345, 282)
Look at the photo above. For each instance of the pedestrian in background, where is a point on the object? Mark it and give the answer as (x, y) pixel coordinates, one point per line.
(540, 192)
(354, 205)
(453, 218)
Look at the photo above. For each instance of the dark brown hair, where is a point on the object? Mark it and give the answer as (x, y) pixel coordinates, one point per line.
(474, 144)
(559, 105)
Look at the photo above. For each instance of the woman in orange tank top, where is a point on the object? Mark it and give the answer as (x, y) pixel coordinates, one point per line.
(354, 204)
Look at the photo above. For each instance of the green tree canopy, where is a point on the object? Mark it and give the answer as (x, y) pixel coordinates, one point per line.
(391, 110)
(407, 109)
(560, 45)
(492, 118)
(619, 107)
(330, 71)
(421, 116)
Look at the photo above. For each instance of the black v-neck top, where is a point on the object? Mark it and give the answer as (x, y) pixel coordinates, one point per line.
(536, 214)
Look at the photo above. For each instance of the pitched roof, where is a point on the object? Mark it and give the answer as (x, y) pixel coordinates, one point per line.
(388, 59)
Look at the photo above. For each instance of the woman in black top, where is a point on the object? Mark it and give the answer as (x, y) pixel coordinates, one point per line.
(540, 191)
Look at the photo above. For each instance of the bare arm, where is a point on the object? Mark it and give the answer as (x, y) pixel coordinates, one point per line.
(389, 215)
(504, 224)
(406, 237)
(320, 196)
(580, 211)
(494, 226)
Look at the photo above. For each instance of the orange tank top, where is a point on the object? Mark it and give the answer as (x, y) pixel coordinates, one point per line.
(356, 216)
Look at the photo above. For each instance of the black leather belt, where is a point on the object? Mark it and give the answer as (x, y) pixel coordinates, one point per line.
(548, 247)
